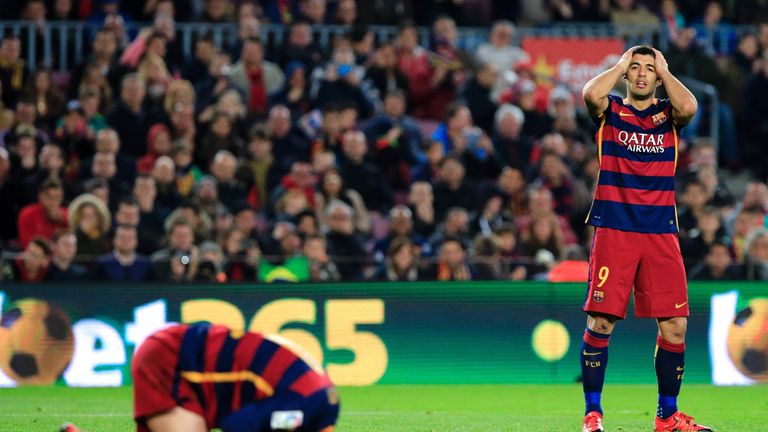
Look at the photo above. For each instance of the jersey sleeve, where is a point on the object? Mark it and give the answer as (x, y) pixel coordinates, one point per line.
(597, 120)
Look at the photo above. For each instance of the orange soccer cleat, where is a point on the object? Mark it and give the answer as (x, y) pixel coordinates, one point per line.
(593, 422)
(678, 422)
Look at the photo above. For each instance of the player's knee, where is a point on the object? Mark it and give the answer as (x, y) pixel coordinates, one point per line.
(600, 324)
(673, 329)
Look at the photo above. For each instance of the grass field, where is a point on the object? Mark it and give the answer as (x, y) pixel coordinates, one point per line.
(422, 408)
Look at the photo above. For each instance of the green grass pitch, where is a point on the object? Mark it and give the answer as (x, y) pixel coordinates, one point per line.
(422, 408)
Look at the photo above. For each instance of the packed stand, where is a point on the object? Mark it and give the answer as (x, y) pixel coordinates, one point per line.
(361, 159)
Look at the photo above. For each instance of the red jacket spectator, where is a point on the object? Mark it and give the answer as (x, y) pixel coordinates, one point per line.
(44, 218)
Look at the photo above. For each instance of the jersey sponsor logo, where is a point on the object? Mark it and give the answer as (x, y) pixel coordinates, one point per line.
(659, 118)
(598, 296)
(642, 142)
(679, 305)
(286, 420)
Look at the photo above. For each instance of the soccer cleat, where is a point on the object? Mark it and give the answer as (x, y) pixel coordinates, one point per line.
(678, 422)
(68, 427)
(593, 422)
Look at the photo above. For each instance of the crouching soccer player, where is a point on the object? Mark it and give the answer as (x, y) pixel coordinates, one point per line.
(193, 378)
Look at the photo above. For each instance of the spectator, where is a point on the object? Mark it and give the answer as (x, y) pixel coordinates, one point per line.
(489, 215)
(264, 170)
(486, 259)
(423, 81)
(290, 205)
(91, 221)
(9, 203)
(46, 216)
(458, 122)
(708, 230)
(91, 103)
(541, 205)
(152, 214)
(693, 200)
(290, 145)
(104, 167)
(421, 204)
(196, 69)
(718, 265)
(211, 266)
(158, 144)
(477, 95)
(501, 52)
(711, 27)
(13, 72)
(248, 26)
(129, 118)
(201, 223)
(555, 176)
(124, 264)
(62, 267)
(221, 136)
(400, 225)
(25, 124)
(346, 13)
(401, 263)
(342, 81)
(451, 264)
(48, 98)
(73, 135)
(300, 46)
(512, 184)
(295, 93)
(313, 11)
(102, 58)
(164, 173)
(216, 11)
(671, 17)
(754, 114)
(363, 176)
(321, 268)
(32, 264)
(396, 139)
(456, 224)
(628, 13)
(129, 213)
(745, 222)
(344, 247)
(429, 169)
(384, 74)
(230, 191)
(453, 189)
(756, 255)
(178, 261)
(255, 77)
(333, 189)
(241, 256)
(543, 233)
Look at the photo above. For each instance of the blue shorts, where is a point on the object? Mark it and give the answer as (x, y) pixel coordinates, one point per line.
(320, 410)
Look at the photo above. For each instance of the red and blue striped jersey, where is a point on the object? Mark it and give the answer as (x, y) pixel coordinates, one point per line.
(637, 150)
(227, 372)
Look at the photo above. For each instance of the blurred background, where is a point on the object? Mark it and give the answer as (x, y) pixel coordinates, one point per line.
(323, 141)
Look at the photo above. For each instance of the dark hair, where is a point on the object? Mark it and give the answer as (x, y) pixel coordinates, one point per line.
(129, 201)
(406, 24)
(398, 243)
(42, 243)
(644, 50)
(451, 158)
(50, 184)
(252, 39)
(719, 242)
(259, 132)
(205, 37)
(453, 109)
(454, 239)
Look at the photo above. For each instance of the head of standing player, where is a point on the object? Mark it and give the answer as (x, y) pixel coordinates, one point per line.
(641, 77)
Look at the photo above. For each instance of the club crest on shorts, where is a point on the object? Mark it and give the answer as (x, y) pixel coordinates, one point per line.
(659, 118)
(598, 296)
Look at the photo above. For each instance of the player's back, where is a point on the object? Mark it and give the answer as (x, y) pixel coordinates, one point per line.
(228, 372)
(637, 151)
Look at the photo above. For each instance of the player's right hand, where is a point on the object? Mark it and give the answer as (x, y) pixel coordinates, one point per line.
(625, 59)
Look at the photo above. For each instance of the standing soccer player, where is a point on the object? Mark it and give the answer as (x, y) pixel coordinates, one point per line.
(193, 378)
(635, 241)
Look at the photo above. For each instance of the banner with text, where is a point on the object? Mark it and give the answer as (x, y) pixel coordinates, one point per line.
(85, 335)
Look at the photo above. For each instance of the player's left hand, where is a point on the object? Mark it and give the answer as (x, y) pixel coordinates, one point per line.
(661, 63)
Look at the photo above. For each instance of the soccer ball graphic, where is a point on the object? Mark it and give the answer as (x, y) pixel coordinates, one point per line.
(36, 342)
(748, 340)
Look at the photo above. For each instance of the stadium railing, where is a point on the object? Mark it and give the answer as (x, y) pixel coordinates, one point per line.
(58, 38)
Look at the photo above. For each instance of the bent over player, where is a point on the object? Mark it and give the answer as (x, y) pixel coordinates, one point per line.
(194, 378)
(635, 242)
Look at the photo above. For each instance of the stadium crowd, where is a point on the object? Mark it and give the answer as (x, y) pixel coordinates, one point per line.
(364, 159)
